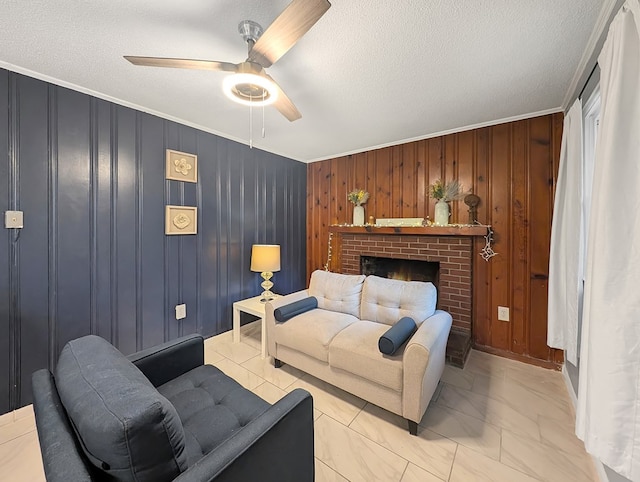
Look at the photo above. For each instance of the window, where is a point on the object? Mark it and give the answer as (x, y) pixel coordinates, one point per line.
(590, 126)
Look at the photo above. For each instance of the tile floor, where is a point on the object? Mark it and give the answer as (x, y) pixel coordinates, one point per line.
(496, 420)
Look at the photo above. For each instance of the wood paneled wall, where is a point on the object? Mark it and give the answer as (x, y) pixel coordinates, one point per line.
(512, 167)
(93, 256)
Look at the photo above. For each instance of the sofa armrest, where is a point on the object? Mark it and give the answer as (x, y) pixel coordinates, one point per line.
(270, 320)
(171, 359)
(285, 300)
(276, 446)
(62, 457)
(423, 364)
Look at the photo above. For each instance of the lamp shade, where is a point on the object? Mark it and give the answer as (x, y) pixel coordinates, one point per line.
(265, 257)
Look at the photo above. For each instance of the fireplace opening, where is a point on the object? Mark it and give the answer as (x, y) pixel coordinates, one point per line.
(402, 269)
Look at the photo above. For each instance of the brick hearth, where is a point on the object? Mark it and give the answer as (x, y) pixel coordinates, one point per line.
(454, 254)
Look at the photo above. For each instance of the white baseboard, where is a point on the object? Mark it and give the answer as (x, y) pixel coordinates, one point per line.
(567, 382)
(602, 475)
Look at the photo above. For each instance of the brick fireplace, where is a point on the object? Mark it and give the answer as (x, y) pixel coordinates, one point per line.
(453, 253)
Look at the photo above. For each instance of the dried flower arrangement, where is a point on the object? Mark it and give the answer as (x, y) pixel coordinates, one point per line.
(449, 192)
(358, 196)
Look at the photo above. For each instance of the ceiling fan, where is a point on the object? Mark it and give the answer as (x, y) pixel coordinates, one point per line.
(250, 84)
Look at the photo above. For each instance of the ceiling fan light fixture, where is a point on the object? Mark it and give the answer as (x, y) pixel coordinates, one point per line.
(250, 89)
(251, 85)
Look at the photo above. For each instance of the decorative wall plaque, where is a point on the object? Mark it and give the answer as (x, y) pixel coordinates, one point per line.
(181, 220)
(181, 166)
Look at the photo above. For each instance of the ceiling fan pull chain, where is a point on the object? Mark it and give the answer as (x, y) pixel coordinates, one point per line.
(263, 96)
(250, 123)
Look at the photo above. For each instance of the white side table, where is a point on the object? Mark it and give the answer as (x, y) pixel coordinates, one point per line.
(254, 307)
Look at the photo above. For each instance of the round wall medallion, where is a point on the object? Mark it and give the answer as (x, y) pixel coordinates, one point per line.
(181, 221)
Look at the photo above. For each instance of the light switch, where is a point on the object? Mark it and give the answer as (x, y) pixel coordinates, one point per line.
(13, 219)
(181, 311)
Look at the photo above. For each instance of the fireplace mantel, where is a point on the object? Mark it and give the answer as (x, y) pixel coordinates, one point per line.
(453, 230)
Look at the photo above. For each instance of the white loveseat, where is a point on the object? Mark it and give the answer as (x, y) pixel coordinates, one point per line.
(338, 341)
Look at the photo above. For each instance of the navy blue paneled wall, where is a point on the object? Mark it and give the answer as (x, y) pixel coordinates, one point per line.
(93, 256)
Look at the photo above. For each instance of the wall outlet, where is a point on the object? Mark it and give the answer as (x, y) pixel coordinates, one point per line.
(503, 313)
(181, 311)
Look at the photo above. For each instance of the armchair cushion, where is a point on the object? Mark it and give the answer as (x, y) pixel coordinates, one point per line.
(125, 426)
(212, 408)
(287, 312)
(394, 337)
(387, 300)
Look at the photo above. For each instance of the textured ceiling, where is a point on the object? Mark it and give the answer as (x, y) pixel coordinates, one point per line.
(369, 73)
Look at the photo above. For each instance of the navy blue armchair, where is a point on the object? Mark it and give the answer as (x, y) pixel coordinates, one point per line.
(161, 414)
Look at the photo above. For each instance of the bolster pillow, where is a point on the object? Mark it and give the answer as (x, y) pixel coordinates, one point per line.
(287, 312)
(395, 336)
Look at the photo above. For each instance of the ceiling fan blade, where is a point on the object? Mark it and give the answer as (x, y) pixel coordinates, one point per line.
(286, 30)
(284, 104)
(182, 63)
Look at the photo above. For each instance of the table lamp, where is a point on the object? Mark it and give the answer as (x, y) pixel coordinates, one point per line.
(265, 259)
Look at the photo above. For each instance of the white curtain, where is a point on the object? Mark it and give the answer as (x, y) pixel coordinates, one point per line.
(608, 414)
(565, 261)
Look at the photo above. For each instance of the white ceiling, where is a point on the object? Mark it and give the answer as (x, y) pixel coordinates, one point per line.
(369, 73)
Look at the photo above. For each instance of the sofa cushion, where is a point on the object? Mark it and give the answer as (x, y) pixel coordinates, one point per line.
(125, 426)
(212, 407)
(312, 332)
(337, 292)
(387, 300)
(354, 350)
